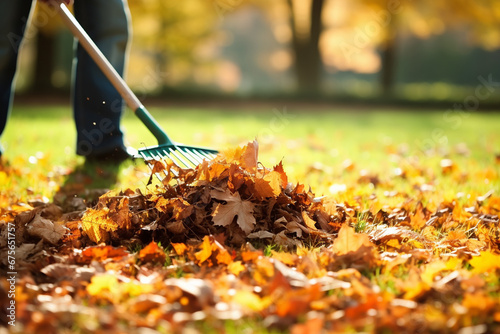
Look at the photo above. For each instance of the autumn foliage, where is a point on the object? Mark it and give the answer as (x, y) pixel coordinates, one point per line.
(232, 239)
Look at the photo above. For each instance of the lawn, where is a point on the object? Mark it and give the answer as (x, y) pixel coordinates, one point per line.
(399, 232)
(320, 148)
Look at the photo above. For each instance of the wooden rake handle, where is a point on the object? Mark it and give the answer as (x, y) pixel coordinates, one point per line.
(99, 58)
(113, 76)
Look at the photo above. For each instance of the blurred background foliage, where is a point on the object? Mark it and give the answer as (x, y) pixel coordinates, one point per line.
(405, 50)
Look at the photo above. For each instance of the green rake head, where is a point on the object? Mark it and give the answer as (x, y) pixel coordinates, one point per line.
(183, 156)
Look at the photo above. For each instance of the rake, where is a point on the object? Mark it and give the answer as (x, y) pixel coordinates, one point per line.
(184, 156)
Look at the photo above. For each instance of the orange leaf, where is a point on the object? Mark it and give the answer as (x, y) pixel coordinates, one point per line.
(308, 221)
(283, 177)
(101, 253)
(152, 253)
(246, 156)
(354, 249)
(180, 248)
(296, 302)
(311, 326)
(205, 251)
(263, 188)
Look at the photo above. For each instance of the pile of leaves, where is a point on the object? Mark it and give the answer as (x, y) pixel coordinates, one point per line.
(233, 242)
(230, 196)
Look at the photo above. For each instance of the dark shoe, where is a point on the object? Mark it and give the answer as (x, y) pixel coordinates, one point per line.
(117, 155)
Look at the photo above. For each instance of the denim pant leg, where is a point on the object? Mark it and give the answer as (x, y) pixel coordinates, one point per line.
(12, 25)
(96, 103)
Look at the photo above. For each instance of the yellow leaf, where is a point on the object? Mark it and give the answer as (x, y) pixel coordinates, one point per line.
(275, 181)
(101, 283)
(485, 262)
(251, 300)
(350, 241)
(416, 291)
(431, 270)
(135, 288)
(96, 224)
(453, 263)
(235, 267)
(309, 222)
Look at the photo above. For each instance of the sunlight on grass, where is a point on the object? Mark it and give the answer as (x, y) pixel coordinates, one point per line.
(327, 150)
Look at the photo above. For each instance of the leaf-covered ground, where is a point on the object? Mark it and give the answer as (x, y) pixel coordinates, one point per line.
(233, 245)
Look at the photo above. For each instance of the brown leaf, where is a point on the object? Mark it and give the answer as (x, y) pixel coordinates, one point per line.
(46, 229)
(62, 271)
(223, 214)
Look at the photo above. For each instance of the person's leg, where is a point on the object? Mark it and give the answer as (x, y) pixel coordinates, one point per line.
(97, 105)
(15, 15)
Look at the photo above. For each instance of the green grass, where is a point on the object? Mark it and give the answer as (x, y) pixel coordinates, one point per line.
(314, 145)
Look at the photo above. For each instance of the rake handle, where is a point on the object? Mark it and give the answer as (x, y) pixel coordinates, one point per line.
(109, 71)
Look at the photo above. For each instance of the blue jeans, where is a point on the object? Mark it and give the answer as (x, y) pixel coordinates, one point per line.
(97, 106)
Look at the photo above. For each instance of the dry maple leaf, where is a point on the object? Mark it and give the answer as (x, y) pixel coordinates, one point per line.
(246, 156)
(111, 214)
(354, 249)
(46, 229)
(211, 247)
(223, 214)
(96, 224)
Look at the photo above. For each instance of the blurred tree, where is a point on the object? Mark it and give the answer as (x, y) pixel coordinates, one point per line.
(171, 32)
(306, 32)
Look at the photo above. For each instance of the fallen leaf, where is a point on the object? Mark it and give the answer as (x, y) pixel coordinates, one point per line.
(236, 267)
(46, 229)
(101, 253)
(485, 262)
(223, 214)
(308, 221)
(152, 253)
(180, 248)
(354, 249)
(311, 326)
(251, 301)
(100, 283)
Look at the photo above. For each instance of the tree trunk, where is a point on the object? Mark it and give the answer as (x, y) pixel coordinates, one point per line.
(308, 64)
(388, 59)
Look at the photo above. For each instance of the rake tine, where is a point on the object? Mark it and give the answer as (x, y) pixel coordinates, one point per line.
(192, 155)
(192, 159)
(178, 157)
(206, 155)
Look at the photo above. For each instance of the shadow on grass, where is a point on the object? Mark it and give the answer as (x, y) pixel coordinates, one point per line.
(86, 183)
